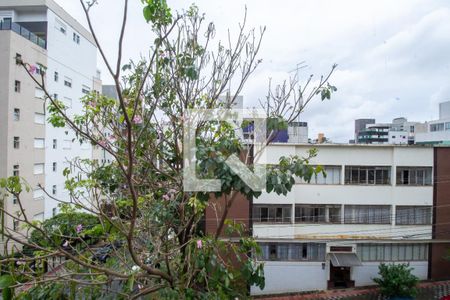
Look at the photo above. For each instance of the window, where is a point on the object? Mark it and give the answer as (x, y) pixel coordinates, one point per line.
(55, 96)
(38, 194)
(272, 213)
(54, 189)
(306, 213)
(60, 26)
(68, 82)
(67, 144)
(332, 176)
(411, 128)
(54, 211)
(38, 169)
(67, 102)
(367, 175)
(437, 127)
(15, 200)
(15, 225)
(85, 89)
(293, 251)
(413, 215)
(392, 252)
(38, 217)
(55, 76)
(16, 114)
(414, 175)
(39, 143)
(18, 58)
(17, 86)
(39, 118)
(447, 126)
(55, 143)
(16, 170)
(16, 142)
(54, 167)
(367, 214)
(76, 38)
(39, 93)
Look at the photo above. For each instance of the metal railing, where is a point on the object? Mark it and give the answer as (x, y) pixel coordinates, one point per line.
(8, 25)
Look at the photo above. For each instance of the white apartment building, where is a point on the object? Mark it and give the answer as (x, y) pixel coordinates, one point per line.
(374, 205)
(71, 59)
(438, 131)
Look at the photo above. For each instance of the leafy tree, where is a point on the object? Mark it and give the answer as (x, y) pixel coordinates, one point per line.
(145, 224)
(397, 280)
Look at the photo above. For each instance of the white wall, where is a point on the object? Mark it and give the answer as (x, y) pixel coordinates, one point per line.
(289, 277)
(363, 275)
(79, 63)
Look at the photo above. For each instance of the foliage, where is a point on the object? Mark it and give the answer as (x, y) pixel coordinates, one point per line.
(397, 280)
(56, 230)
(130, 228)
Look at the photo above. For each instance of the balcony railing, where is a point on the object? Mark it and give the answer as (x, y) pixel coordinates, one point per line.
(8, 25)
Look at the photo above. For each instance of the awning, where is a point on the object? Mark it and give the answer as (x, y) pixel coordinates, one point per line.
(344, 259)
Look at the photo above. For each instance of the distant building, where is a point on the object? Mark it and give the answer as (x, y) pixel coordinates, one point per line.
(360, 125)
(400, 131)
(41, 33)
(437, 131)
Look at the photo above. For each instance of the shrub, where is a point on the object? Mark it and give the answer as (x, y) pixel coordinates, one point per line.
(397, 280)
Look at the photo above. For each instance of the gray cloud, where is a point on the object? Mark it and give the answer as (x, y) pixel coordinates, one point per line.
(393, 56)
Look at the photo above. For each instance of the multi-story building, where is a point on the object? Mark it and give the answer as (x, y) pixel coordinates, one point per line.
(360, 125)
(40, 31)
(22, 121)
(374, 205)
(437, 131)
(400, 131)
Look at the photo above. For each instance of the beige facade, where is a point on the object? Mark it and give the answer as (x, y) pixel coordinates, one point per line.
(22, 129)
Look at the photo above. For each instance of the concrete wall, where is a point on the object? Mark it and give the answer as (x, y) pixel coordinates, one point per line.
(291, 277)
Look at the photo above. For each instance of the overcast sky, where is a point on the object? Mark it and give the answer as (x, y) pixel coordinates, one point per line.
(393, 56)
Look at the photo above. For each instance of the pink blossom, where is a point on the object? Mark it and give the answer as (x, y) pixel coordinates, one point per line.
(102, 143)
(112, 138)
(79, 228)
(199, 244)
(137, 119)
(32, 69)
(166, 197)
(66, 243)
(92, 104)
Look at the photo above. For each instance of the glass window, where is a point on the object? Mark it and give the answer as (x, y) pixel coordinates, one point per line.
(308, 213)
(392, 252)
(17, 86)
(56, 76)
(16, 142)
(16, 114)
(413, 215)
(39, 143)
(38, 169)
(367, 214)
(55, 144)
(16, 170)
(39, 118)
(68, 82)
(330, 175)
(437, 127)
(414, 175)
(293, 251)
(367, 175)
(272, 213)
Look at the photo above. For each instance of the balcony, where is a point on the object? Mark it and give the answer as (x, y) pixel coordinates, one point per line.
(8, 25)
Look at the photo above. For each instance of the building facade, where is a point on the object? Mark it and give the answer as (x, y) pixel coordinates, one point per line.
(22, 128)
(41, 32)
(437, 131)
(374, 205)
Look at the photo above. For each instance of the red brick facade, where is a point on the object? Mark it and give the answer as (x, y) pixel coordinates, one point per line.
(440, 252)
